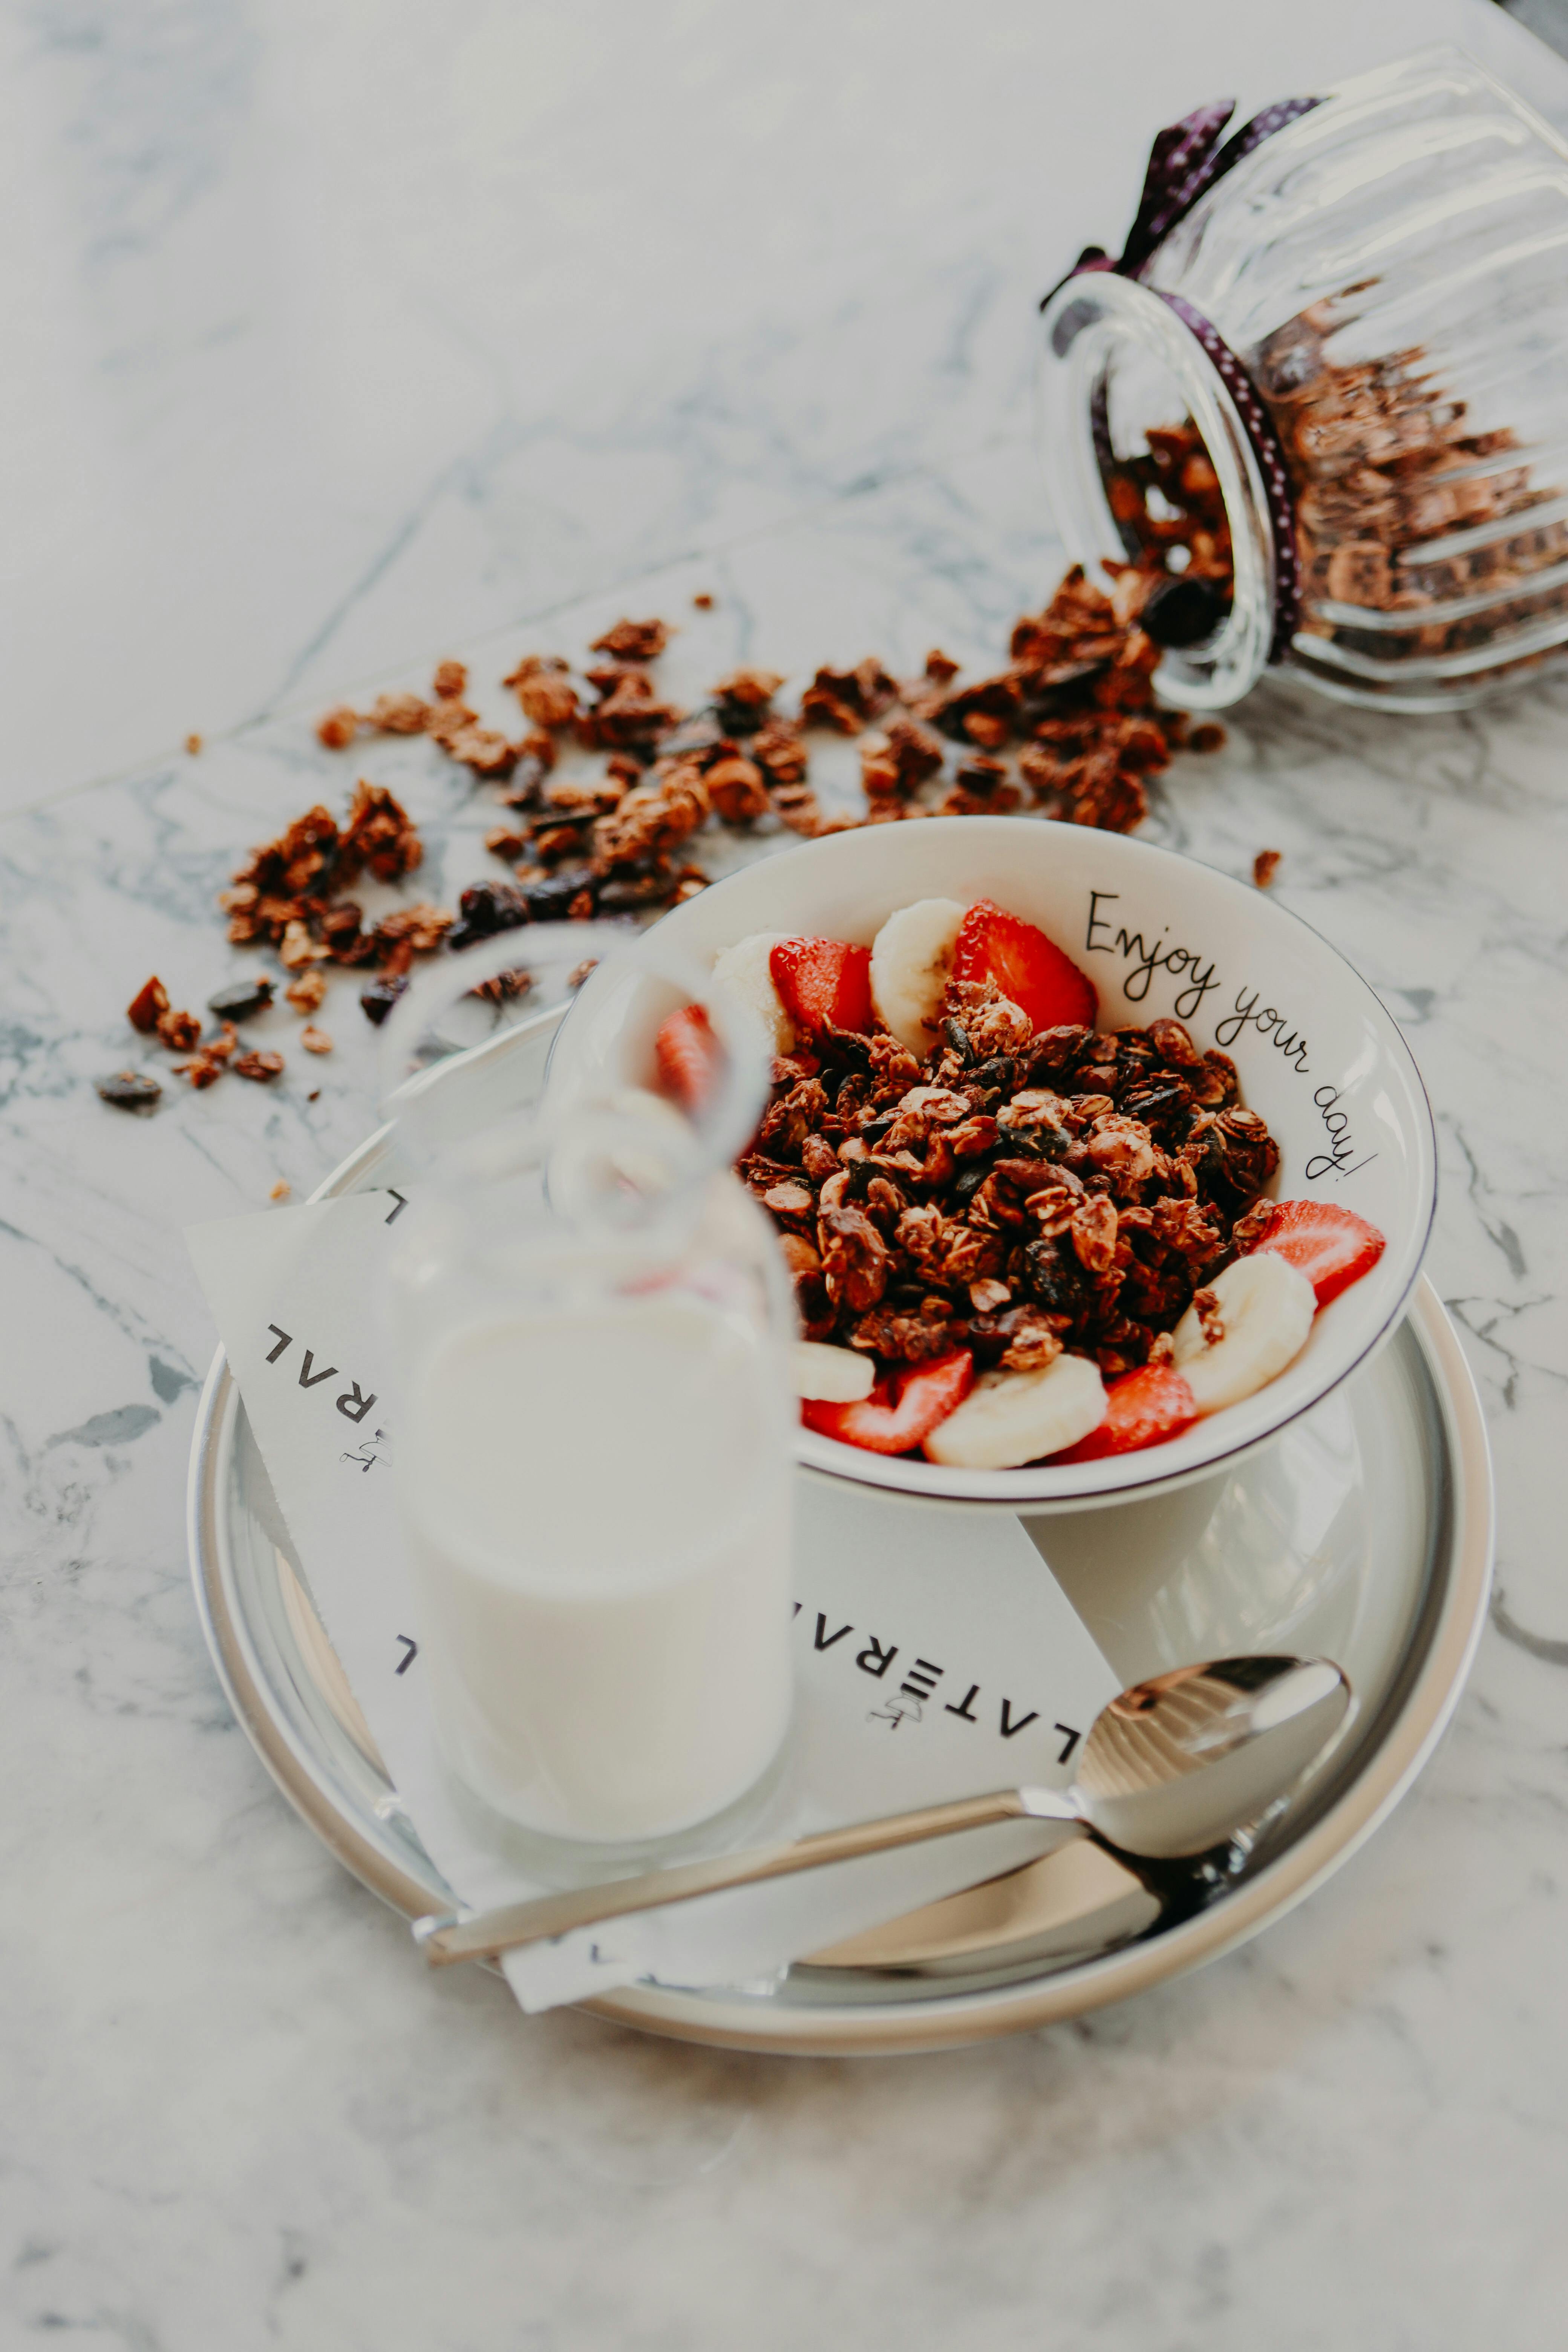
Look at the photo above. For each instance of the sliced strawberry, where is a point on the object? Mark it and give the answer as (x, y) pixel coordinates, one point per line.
(1025, 966)
(900, 1414)
(687, 1056)
(1143, 1408)
(823, 983)
(1331, 1246)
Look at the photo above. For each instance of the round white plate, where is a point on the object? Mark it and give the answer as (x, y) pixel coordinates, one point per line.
(1363, 1532)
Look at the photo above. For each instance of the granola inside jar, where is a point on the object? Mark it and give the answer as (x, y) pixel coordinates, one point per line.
(1363, 318)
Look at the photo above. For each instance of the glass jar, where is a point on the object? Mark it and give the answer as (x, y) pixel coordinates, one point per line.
(1365, 319)
(594, 1414)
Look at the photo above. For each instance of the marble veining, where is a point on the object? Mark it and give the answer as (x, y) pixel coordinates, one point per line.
(337, 347)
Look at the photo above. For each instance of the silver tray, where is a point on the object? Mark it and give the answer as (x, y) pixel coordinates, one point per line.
(1364, 1533)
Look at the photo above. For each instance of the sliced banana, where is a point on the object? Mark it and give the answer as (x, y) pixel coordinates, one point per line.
(832, 1375)
(1266, 1307)
(909, 959)
(1010, 1418)
(743, 973)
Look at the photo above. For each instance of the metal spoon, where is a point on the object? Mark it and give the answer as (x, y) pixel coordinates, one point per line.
(1171, 1768)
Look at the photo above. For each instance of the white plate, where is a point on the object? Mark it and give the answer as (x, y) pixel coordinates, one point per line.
(1316, 1053)
(1363, 1533)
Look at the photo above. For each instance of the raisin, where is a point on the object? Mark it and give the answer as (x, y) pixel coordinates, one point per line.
(484, 909)
(547, 901)
(377, 1000)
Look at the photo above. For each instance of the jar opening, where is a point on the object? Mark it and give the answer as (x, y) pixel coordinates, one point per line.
(1151, 468)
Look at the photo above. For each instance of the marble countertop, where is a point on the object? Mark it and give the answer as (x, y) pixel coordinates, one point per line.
(342, 339)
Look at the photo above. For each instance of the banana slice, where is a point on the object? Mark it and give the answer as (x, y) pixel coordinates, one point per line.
(1010, 1418)
(832, 1375)
(741, 972)
(910, 960)
(1266, 1307)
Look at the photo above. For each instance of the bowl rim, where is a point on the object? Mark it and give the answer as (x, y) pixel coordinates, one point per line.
(1037, 1486)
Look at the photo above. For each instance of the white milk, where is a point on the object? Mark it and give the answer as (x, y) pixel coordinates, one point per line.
(597, 1504)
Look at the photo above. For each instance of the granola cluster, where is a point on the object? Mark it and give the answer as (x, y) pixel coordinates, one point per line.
(287, 893)
(1018, 1194)
(1384, 460)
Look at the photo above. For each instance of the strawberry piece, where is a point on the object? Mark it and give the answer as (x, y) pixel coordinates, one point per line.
(1331, 1246)
(688, 1057)
(1143, 1408)
(823, 983)
(900, 1414)
(1025, 966)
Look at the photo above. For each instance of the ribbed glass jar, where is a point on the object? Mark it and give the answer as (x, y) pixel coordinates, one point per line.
(1391, 270)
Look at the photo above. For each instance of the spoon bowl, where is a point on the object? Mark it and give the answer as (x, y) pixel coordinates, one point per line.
(1177, 1766)
(1171, 1768)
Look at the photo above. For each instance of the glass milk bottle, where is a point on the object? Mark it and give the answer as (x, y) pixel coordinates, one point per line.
(593, 1432)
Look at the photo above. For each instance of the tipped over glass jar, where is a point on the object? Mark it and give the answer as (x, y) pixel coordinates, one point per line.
(1358, 307)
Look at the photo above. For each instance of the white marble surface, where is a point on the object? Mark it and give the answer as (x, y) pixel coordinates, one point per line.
(340, 338)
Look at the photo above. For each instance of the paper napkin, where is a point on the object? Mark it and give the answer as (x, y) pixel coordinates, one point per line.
(935, 1654)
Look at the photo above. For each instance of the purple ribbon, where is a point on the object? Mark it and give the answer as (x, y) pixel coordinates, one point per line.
(1186, 160)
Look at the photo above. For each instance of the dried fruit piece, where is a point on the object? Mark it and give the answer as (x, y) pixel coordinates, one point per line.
(1030, 968)
(243, 999)
(130, 1090)
(1265, 1309)
(823, 984)
(1143, 1408)
(1331, 1246)
(151, 1000)
(687, 1056)
(901, 1412)
(377, 1000)
(1265, 865)
(1017, 1417)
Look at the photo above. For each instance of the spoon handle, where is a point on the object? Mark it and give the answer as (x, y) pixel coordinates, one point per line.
(447, 1937)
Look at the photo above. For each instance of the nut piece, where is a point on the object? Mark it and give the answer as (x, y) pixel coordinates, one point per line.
(399, 714)
(306, 993)
(262, 1068)
(315, 1041)
(337, 728)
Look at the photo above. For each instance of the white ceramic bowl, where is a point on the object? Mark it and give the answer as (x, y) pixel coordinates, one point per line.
(1315, 1051)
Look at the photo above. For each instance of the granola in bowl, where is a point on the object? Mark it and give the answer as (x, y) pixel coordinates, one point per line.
(1166, 981)
(1035, 1238)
